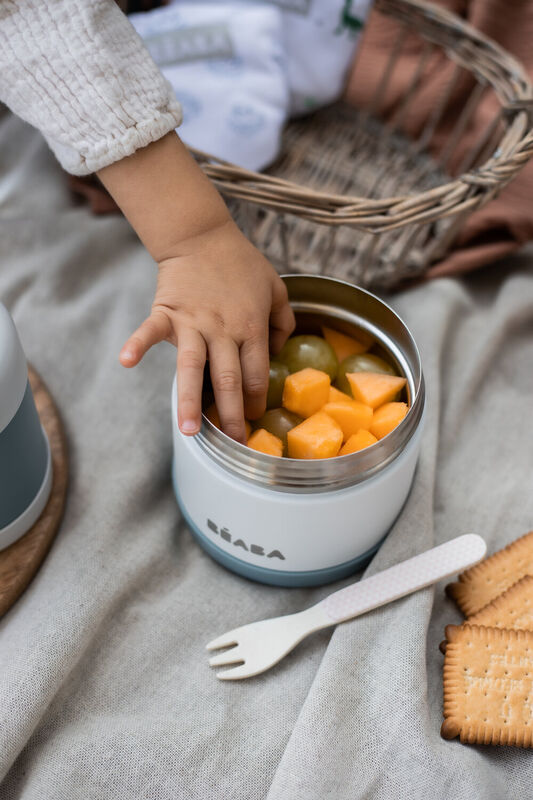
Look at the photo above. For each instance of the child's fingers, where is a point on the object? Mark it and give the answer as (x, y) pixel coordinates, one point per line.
(282, 322)
(225, 368)
(191, 362)
(254, 366)
(153, 330)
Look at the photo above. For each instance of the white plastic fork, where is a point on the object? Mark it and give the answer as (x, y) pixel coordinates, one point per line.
(260, 645)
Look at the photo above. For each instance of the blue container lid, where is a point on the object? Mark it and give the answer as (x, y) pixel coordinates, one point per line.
(13, 369)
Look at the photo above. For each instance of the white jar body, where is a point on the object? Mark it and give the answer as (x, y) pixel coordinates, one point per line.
(283, 537)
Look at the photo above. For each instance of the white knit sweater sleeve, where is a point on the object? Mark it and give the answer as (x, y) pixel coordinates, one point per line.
(78, 71)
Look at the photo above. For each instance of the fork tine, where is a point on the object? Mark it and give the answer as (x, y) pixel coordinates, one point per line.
(236, 673)
(226, 640)
(232, 656)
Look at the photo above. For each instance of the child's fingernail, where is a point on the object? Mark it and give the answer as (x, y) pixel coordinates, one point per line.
(188, 426)
(127, 354)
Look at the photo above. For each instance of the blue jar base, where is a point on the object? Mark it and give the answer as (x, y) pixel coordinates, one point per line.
(276, 577)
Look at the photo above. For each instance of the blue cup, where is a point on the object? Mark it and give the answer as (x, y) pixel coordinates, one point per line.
(25, 459)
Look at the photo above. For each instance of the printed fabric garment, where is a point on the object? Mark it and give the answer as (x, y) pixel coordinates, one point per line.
(320, 38)
(226, 63)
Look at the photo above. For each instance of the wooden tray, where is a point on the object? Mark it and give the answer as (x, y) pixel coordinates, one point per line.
(20, 562)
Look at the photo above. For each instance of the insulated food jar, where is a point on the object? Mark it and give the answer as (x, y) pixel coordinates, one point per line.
(25, 459)
(293, 522)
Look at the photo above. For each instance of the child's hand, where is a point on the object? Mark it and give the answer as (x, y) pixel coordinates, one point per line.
(216, 295)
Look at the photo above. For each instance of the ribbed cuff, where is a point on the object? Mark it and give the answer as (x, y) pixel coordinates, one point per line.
(78, 71)
(105, 152)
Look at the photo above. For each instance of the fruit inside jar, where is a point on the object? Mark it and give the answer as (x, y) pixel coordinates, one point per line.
(333, 391)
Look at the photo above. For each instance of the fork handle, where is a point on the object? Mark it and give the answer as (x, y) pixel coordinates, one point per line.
(402, 579)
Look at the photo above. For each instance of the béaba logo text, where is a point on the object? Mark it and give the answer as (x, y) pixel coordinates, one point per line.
(256, 549)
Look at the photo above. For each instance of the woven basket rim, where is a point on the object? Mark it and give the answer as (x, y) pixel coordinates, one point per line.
(464, 192)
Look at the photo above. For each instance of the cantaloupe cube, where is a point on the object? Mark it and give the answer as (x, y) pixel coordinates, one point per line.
(387, 417)
(343, 345)
(336, 396)
(374, 388)
(350, 416)
(212, 415)
(358, 441)
(306, 391)
(319, 436)
(265, 442)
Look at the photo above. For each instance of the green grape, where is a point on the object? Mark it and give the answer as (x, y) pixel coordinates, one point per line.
(276, 381)
(300, 352)
(278, 421)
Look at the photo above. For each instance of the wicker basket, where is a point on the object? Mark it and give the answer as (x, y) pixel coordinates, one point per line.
(351, 196)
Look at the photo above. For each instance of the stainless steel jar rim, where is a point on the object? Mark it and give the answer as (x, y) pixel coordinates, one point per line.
(313, 294)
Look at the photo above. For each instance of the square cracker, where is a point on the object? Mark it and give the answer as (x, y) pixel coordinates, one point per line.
(482, 583)
(488, 685)
(513, 609)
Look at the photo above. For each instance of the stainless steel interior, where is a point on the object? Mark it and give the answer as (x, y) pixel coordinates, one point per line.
(317, 299)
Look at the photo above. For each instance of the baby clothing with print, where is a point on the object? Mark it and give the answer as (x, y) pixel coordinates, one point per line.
(226, 66)
(240, 69)
(321, 38)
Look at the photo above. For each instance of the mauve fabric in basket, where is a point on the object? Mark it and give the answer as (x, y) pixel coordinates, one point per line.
(506, 222)
(105, 692)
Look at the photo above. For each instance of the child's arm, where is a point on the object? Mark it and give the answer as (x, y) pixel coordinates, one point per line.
(216, 296)
(78, 72)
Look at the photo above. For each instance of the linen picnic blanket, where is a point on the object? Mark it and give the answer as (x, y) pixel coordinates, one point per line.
(105, 691)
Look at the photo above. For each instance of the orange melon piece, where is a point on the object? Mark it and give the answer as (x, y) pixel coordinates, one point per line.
(306, 391)
(374, 388)
(265, 442)
(343, 345)
(358, 441)
(350, 416)
(319, 436)
(387, 417)
(336, 396)
(212, 415)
